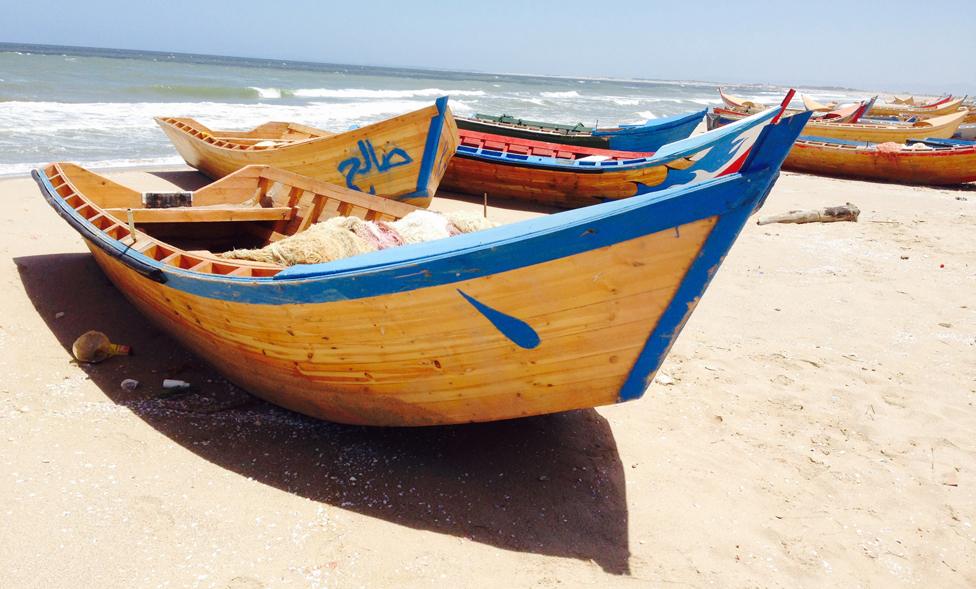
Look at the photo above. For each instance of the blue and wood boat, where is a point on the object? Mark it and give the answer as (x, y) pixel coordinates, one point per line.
(648, 136)
(577, 309)
(570, 176)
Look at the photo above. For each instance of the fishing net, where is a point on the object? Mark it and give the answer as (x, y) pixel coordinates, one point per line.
(343, 237)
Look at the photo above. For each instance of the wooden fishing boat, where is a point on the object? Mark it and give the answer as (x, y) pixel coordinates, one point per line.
(741, 104)
(937, 127)
(911, 101)
(432, 333)
(569, 176)
(811, 104)
(649, 136)
(934, 110)
(934, 165)
(403, 157)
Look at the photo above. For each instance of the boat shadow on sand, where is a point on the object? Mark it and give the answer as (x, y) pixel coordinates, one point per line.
(551, 485)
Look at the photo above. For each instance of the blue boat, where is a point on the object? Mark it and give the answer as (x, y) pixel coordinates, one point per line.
(567, 311)
(643, 137)
(569, 176)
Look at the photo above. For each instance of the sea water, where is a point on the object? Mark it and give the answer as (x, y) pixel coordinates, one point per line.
(96, 106)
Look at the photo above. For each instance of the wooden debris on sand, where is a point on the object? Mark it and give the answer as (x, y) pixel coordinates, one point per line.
(848, 212)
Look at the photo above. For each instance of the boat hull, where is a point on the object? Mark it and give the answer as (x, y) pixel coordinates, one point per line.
(937, 167)
(427, 357)
(572, 310)
(403, 157)
(552, 187)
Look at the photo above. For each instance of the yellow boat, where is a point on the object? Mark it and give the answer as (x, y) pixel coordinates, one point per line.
(935, 128)
(905, 110)
(559, 312)
(404, 157)
(942, 127)
(936, 165)
(811, 104)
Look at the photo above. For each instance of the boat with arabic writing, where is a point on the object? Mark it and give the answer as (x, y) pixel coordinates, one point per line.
(403, 157)
(568, 176)
(648, 136)
(932, 164)
(431, 333)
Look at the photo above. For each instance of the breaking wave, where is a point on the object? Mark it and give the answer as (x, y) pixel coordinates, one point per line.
(364, 93)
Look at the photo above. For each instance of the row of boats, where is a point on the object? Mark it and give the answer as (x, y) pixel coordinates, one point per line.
(574, 309)
(905, 141)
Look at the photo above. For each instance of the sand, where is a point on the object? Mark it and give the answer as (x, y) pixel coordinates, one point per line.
(820, 431)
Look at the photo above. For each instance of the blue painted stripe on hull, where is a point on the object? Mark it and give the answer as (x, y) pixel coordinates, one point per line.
(430, 151)
(763, 168)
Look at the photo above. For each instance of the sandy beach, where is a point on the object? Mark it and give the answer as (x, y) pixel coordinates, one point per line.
(818, 431)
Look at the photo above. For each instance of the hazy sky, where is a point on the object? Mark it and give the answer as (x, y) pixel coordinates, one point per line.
(896, 45)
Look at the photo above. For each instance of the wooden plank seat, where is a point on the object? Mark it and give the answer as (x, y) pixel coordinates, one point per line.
(209, 214)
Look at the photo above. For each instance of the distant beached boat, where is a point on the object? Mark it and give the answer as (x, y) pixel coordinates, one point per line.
(935, 164)
(403, 157)
(877, 132)
(569, 176)
(567, 311)
(938, 108)
(741, 103)
(649, 136)
(810, 104)
(912, 101)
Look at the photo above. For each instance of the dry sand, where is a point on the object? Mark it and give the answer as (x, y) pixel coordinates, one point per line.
(820, 432)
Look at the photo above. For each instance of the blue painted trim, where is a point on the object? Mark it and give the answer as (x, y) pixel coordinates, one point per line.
(430, 150)
(693, 285)
(474, 255)
(520, 332)
(138, 262)
(942, 142)
(762, 168)
(835, 141)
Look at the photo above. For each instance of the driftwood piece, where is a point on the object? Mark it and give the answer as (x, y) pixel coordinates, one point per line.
(848, 212)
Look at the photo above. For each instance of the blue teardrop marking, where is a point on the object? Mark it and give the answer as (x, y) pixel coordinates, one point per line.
(520, 332)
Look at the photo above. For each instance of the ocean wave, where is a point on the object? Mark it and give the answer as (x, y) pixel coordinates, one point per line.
(267, 92)
(364, 93)
(25, 168)
(646, 115)
(98, 117)
(706, 101)
(567, 94)
(204, 92)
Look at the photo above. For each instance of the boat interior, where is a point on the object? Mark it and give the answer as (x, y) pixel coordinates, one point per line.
(473, 140)
(250, 208)
(273, 134)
